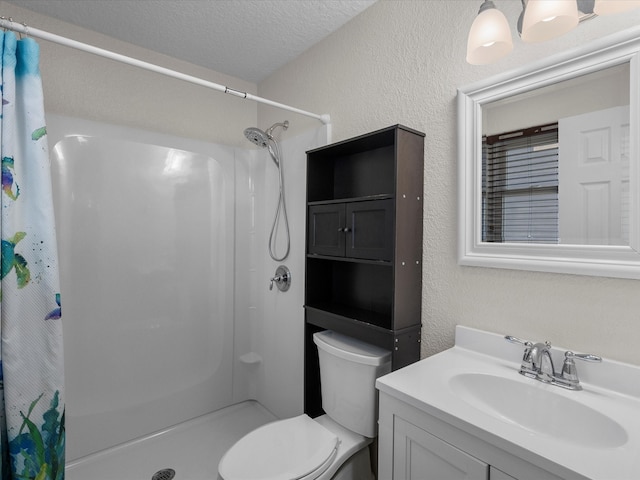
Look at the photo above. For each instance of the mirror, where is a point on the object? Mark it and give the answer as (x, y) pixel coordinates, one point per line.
(555, 163)
(548, 164)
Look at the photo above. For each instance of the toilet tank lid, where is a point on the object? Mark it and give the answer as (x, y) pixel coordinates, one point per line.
(351, 349)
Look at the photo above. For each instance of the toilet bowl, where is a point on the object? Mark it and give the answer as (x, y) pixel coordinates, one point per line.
(333, 446)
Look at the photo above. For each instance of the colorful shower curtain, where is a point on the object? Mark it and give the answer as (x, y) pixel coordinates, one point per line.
(31, 356)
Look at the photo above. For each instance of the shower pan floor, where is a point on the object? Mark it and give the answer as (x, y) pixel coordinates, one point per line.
(193, 448)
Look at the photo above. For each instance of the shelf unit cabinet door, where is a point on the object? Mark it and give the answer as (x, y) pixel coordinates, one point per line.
(369, 232)
(326, 229)
(418, 455)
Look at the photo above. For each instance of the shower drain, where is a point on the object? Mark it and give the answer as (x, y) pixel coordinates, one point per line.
(164, 474)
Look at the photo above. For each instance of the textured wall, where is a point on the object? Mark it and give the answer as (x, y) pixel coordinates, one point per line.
(400, 62)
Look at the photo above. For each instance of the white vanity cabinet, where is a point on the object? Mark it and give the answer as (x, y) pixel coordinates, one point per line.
(466, 413)
(414, 445)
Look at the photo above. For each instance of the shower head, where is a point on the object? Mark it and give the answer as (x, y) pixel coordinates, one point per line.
(260, 138)
(257, 136)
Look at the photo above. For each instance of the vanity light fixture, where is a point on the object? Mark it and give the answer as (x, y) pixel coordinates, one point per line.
(490, 37)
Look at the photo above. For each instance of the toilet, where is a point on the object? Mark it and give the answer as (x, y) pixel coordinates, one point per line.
(333, 446)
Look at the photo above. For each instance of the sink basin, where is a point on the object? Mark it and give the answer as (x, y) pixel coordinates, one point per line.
(537, 408)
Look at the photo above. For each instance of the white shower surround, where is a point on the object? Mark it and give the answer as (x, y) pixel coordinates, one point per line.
(157, 236)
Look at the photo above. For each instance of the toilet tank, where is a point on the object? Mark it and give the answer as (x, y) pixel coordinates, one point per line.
(348, 372)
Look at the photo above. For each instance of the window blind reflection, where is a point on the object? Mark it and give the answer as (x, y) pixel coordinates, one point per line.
(520, 186)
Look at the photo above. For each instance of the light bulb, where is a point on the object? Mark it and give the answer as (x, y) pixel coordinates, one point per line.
(489, 37)
(547, 19)
(609, 7)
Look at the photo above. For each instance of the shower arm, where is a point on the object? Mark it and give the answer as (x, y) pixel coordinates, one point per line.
(9, 24)
(270, 130)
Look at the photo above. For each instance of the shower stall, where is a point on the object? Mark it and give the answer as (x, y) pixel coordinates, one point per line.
(165, 276)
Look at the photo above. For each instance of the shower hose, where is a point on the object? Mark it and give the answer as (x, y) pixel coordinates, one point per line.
(281, 209)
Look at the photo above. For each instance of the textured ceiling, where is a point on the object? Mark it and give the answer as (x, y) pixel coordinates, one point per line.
(248, 39)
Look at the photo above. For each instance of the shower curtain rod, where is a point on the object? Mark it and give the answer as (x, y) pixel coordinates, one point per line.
(9, 24)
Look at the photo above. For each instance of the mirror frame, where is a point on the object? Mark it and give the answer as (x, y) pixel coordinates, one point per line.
(599, 260)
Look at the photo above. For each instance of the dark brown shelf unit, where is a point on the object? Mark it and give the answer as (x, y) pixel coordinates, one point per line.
(363, 274)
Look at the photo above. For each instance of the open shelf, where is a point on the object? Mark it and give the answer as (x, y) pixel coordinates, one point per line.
(362, 291)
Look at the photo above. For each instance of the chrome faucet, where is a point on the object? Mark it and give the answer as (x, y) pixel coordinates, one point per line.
(537, 363)
(541, 361)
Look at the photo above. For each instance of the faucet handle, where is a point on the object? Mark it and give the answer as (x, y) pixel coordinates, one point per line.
(587, 357)
(526, 367)
(512, 339)
(569, 376)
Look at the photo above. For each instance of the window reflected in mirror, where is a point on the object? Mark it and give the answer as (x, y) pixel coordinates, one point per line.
(555, 163)
(520, 186)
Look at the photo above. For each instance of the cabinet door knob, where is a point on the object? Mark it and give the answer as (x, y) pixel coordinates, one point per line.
(346, 229)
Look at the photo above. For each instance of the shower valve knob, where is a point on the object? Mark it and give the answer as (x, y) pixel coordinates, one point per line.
(282, 279)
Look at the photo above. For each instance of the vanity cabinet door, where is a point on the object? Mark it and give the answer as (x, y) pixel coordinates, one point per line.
(495, 474)
(418, 455)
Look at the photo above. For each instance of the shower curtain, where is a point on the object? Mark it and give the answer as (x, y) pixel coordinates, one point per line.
(32, 401)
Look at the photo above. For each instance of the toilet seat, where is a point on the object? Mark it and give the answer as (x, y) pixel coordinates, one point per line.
(297, 448)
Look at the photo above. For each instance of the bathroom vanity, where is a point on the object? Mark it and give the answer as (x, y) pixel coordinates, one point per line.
(467, 413)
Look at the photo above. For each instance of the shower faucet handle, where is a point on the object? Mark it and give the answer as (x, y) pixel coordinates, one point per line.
(282, 279)
(276, 279)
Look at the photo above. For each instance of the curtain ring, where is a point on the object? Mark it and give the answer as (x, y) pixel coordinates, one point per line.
(8, 19)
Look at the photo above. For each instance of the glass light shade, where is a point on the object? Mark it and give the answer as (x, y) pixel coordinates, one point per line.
(547, 19)
(489, 37)
(609, 7)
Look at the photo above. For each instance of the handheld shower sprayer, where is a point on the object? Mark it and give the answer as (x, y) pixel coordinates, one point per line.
(265, 139)
(260, 138)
